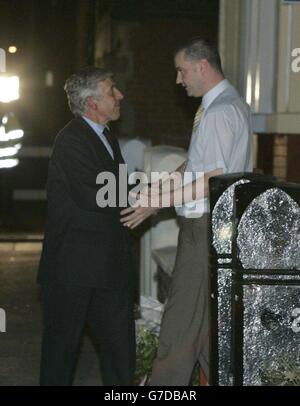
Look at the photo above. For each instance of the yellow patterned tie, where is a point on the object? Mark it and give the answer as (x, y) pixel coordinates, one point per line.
(198, 116)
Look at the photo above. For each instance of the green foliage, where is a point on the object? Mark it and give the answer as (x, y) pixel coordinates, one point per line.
(195, 379)
(147, 344)
(285, 373)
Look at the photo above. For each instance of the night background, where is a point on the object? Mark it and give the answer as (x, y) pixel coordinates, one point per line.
(45, 41)
(54, 38)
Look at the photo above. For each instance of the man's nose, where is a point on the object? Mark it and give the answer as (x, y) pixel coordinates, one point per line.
(178, 78)
(119, 95)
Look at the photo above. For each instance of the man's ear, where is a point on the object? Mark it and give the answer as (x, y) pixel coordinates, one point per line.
(90, 103)
(203, 65)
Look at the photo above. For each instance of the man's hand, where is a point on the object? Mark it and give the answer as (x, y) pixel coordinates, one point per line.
(144, 204)
(133, 216)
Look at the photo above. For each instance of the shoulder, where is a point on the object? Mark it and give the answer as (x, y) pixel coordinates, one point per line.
(70, 140)
(72, 132)
(228, 106)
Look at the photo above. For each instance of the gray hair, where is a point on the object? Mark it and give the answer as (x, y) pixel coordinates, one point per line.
(198, 48)
(82, 85)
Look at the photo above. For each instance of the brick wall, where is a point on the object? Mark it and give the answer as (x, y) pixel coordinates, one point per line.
(293, 164)
(278, 154)
(280, 151)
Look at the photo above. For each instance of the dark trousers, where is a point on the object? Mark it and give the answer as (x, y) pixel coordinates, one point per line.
(184, 332)
(109, 315)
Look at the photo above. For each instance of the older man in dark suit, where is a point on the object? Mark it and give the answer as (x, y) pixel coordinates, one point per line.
(86, 269)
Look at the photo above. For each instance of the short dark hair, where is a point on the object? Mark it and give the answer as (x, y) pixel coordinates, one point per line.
(198, 48)
(83, 84)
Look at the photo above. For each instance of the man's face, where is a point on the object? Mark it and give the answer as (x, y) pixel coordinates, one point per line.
(107, 107)
(189, 75)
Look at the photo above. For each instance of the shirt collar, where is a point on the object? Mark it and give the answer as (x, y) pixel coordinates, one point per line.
(98, 128)
(213, 93)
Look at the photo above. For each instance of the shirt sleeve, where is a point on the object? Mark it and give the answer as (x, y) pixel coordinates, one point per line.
(218, 140)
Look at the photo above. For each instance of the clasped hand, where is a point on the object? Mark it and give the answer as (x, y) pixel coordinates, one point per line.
(143, 204)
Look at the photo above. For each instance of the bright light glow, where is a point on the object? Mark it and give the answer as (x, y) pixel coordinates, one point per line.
(9, 151)
(12, 49)
(9, 88)
(8, 163)
(2, 60)
(49, 79)
(3, 136)
(12, 135)
(15, 134)
(11, 123)
(249, 89)
(257, 88)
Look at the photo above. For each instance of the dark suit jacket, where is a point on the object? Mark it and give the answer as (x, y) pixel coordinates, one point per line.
(83, 245)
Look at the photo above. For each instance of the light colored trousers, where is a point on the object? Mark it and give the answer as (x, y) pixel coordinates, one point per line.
(185, 325)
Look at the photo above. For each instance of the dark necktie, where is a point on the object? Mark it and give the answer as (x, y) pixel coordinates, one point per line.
(114, 145)
(108, 135)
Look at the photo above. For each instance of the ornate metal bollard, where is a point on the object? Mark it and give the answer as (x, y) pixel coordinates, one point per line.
(255, 281)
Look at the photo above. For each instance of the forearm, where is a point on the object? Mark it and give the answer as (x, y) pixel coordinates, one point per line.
(169, 180)
(196, 190)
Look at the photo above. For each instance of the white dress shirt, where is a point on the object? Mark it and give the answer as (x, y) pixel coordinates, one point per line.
(98, 128)
(223, 140)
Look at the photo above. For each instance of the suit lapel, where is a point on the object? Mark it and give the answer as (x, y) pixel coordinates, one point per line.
(95, 142)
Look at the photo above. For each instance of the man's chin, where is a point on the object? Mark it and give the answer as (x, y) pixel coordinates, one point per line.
(190, 93)
(116, 116)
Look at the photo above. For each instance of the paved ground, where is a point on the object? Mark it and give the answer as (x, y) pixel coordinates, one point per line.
(20, 344)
